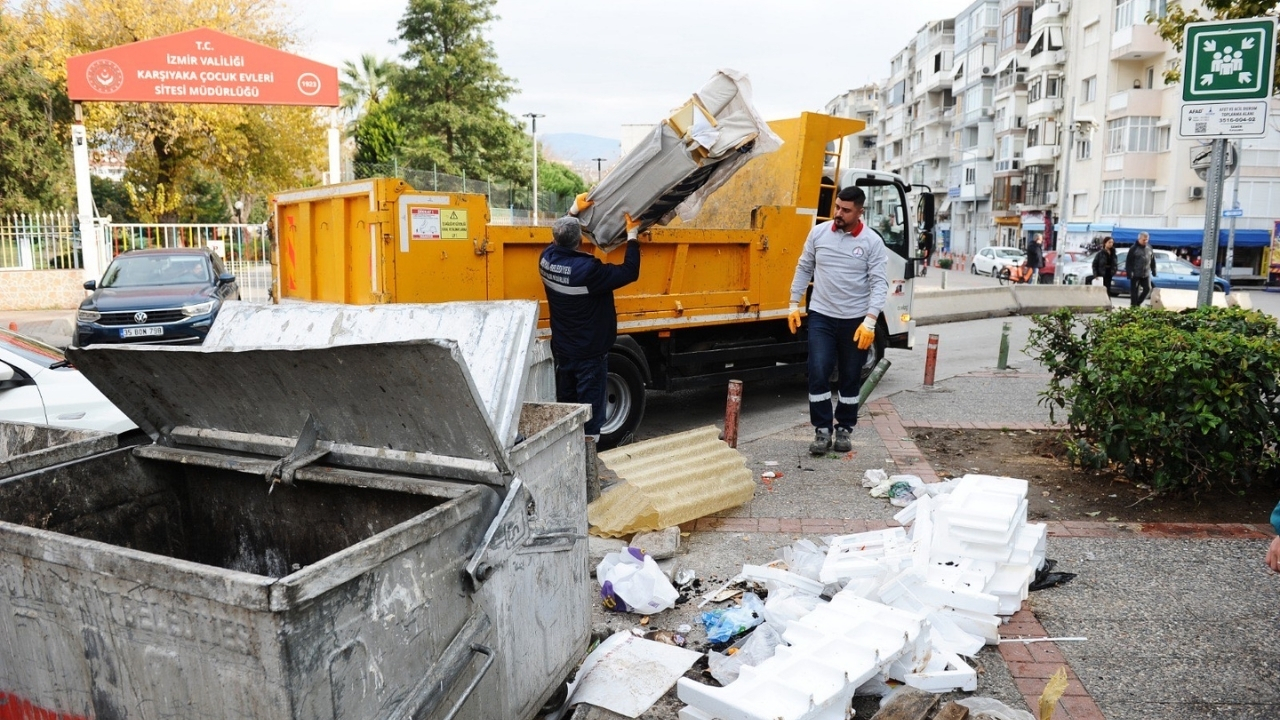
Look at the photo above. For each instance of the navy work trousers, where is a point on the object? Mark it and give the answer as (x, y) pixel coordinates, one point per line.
(583, 381)
(831, 347)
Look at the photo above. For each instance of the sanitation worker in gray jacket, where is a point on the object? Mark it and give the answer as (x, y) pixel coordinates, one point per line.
(845, 259)
(584, 323)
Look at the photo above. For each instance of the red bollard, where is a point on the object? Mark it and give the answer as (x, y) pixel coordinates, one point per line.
(732, 405)
(930, 360)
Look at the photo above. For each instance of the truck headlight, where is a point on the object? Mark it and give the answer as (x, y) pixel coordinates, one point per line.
(197, 309)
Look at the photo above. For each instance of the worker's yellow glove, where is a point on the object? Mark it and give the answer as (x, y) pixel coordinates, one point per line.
(633, 227)
(793, 317)
(580, 203)
(865, 334)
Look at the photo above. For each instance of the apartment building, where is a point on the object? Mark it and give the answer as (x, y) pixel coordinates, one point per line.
(1128, 170)
(1008, 184)
(858, 150)
(973, 127)
(931, 109)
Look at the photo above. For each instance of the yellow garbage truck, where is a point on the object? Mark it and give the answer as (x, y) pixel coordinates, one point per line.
(711, 301)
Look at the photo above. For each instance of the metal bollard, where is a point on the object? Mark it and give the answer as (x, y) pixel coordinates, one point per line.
(930, 360)
(944, 279)
(1003, 361)
(872, 380)
(732, 406)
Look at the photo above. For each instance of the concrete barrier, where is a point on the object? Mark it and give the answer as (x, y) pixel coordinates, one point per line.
(1038, 299)
(1178, 300)
(942, 306)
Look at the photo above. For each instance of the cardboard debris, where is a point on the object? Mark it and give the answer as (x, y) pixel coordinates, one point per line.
(670, 480)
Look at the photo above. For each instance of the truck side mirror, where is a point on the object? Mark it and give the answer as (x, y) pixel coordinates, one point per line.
(925, 211)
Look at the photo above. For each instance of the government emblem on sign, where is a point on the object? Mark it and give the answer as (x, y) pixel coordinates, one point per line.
(104, 76)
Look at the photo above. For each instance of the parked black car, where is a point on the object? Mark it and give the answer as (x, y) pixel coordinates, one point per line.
(156, 296)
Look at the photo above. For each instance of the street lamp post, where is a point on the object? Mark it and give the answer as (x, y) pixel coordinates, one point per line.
(239, 206)
(599, 162)
(533, 129)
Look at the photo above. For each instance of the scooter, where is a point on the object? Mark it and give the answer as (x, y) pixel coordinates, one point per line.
(1016, 274)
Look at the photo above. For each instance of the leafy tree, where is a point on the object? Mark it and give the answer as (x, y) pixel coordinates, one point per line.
(366, 84)
(112, 199)
(452, 90)
(559, 179)
(1172, 26)
(251, 149)
(378, 136)
(34, 140)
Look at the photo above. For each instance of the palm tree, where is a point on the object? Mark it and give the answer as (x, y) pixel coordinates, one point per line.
(366, 84)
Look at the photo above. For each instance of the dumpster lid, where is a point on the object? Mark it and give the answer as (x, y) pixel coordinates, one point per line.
(414, 396)
(496, 338)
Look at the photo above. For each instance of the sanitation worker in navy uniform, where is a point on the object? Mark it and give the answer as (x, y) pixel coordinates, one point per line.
(584, 323)
(845, 259)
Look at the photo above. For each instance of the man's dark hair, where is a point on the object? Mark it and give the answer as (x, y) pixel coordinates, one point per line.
(853, 194)
(567, 232)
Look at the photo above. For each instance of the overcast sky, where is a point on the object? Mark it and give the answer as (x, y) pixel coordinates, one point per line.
(592, 66)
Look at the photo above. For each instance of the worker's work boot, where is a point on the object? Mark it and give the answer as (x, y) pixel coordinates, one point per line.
(842, 443)
(821, 442)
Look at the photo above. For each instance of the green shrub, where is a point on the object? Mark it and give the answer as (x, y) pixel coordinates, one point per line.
(944, 263)
(1188, 400)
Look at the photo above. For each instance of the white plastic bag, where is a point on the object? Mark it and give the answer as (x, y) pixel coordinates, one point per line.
(981, 708)
(631, 581)
(759, 646)
(786, 605)
(873, 477)
(803, 557)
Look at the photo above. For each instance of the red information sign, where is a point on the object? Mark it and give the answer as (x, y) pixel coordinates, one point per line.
(201, 66)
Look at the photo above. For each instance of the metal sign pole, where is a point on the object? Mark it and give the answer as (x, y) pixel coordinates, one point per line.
(1235, 209)
(1212, 218)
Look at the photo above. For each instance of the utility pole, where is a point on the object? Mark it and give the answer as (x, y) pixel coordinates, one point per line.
(533, 129)
(599, 162)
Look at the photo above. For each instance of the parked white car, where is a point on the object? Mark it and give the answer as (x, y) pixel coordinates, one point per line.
(38, 385)
(989, 260)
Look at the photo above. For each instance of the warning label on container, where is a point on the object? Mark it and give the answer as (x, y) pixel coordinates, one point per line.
(453, 225)
(424, 223)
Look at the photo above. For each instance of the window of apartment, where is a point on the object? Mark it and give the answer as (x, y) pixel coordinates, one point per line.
(1084, 149)
(1089, 89)
(1053, 87)
(1033, 136)
(1024, 25)
(970, 175)
(1134, 12)
(937, 62)
(1136, 134)
(1151, 77)
(1035, 89)
(1128, 197)
(1091, 34)
(1009, 31)
(1079, 204)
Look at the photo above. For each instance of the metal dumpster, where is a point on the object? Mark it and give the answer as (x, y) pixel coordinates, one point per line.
(403, 561)
(27, 446)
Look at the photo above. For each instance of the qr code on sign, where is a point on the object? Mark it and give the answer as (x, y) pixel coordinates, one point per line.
(1202, 127)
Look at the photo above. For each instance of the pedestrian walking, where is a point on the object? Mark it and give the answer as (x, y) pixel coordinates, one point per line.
(584, 322)
(1035, 258)
(1104, 264)
(1140, 266)
(845, 260)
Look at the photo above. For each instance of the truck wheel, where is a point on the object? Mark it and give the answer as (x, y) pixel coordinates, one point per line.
(624, 401)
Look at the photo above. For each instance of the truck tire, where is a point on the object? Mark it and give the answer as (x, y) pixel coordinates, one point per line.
(624, 401)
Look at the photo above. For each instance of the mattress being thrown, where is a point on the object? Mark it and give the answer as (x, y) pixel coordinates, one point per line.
(688, 156)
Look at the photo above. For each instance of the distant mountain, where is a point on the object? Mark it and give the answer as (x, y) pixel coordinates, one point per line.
(581, 150)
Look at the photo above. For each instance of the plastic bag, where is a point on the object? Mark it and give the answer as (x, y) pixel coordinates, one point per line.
(631, 581)
(758, 647)
(723, 624)
(787, 605)
(804, 558)
(873, 477)
(991, 709)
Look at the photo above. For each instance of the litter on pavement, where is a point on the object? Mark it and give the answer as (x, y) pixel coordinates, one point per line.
(627, 674)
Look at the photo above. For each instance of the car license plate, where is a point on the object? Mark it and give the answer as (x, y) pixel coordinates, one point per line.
(141, 332)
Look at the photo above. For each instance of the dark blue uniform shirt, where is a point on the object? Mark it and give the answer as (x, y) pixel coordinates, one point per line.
(580, 288)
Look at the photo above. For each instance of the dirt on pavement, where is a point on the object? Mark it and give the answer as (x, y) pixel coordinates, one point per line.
(1060, 491)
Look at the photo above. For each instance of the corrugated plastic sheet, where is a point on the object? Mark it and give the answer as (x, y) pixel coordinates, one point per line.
(670, 480)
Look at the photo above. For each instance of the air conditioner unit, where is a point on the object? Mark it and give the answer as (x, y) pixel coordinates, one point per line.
(933, 162)
(986, 69)
(1020, 121)
(1196, 192)
(1051, 198)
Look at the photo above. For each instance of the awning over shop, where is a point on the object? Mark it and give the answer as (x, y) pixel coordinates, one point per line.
(1013, 221)
(945, 206)
(1190, 237)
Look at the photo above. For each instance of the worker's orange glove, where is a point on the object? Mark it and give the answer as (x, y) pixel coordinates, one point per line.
(633, 227)
(865, 334)
(793, 317)
(580, 203)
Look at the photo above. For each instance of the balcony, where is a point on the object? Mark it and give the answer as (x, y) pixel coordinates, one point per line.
(933, 82)
(1041, 154)
(935, 149)
(1009, 165)
(1044, 107)
(1046, 59)
(1045, 12)
(1138, 42)
(1148, 103)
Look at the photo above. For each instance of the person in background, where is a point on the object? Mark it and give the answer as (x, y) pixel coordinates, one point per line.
(845, 260)
(584, 322)
(1273, 552)
(1035, 258)
(1140, 266)
(1104, 264)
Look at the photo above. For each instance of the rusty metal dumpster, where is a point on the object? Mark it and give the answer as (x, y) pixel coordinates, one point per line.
(27, 446)
(317, 532)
